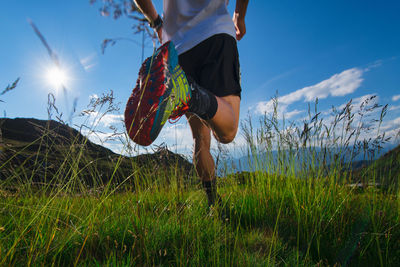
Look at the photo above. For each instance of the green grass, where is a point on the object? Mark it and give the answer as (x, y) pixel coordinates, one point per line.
(294, 210)
(273, 221)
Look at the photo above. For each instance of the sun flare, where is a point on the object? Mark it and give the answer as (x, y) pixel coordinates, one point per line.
(57, 77)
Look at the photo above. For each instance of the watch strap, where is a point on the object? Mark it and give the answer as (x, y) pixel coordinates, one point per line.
(157, 23)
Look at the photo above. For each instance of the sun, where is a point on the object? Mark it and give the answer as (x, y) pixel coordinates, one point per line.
(57, 77)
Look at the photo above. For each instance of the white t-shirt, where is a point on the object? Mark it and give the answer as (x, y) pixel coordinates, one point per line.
(189, 22)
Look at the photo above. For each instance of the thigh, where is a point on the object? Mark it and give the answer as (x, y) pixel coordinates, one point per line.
(234, 102)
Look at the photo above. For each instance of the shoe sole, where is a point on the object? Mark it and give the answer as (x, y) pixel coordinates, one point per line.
(147, 108)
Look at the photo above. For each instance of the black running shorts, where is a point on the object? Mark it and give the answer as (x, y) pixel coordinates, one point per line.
(214, 64)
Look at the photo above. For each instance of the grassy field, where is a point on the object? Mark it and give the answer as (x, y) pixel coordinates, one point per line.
(271, 220)
(297, 209)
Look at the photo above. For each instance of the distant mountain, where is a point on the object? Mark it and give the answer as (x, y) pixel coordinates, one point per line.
(46, 151)
(263, 160)
(383, 169)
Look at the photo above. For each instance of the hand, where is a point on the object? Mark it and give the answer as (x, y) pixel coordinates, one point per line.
(240, 26)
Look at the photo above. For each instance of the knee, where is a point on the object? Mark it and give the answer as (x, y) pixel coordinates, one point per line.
(227, 137)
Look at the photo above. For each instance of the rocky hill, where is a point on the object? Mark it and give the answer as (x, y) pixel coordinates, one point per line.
(48, 152)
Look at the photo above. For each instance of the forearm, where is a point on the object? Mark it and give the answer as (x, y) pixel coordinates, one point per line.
(147, 8)
(241, 8)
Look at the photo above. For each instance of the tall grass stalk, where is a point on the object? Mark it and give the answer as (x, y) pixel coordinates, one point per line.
(294, 208)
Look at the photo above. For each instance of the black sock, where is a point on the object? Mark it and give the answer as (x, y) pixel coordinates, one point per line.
(203, 103)
(211, 190)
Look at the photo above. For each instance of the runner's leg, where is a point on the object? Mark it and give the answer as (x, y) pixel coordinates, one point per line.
(202, 158)
(224, 126)
(225, 122)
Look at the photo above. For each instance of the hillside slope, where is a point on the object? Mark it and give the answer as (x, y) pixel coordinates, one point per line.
(384, 171)
(387, 168)
(46, 151)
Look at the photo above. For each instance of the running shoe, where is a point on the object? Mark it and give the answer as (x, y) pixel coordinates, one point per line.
(181, 94)
(161, 91)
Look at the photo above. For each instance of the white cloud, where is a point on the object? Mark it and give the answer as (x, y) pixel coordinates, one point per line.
(375, 64)
(118, 148)
(179, 136)
(96, 136)
(265, 107)
(356, 102)
(106, 120)
(110, 119)
(391, 129)
(392, 108)
(293, 113)
(277, 77)
(395, 98)
(89, 61)
(355, 107)
(179, 139)
(391, 125)
(340, 84)
(282, 109)
(93, 96)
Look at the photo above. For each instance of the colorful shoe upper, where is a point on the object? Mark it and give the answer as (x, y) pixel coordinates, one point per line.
(160, 90)
(181, 94)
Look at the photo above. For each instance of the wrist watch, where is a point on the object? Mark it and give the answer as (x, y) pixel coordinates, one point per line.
(157, 23)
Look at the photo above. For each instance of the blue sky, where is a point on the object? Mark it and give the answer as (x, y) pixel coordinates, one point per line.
(333, 50)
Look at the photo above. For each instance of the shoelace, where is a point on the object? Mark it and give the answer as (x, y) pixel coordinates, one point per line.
(179, 111)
